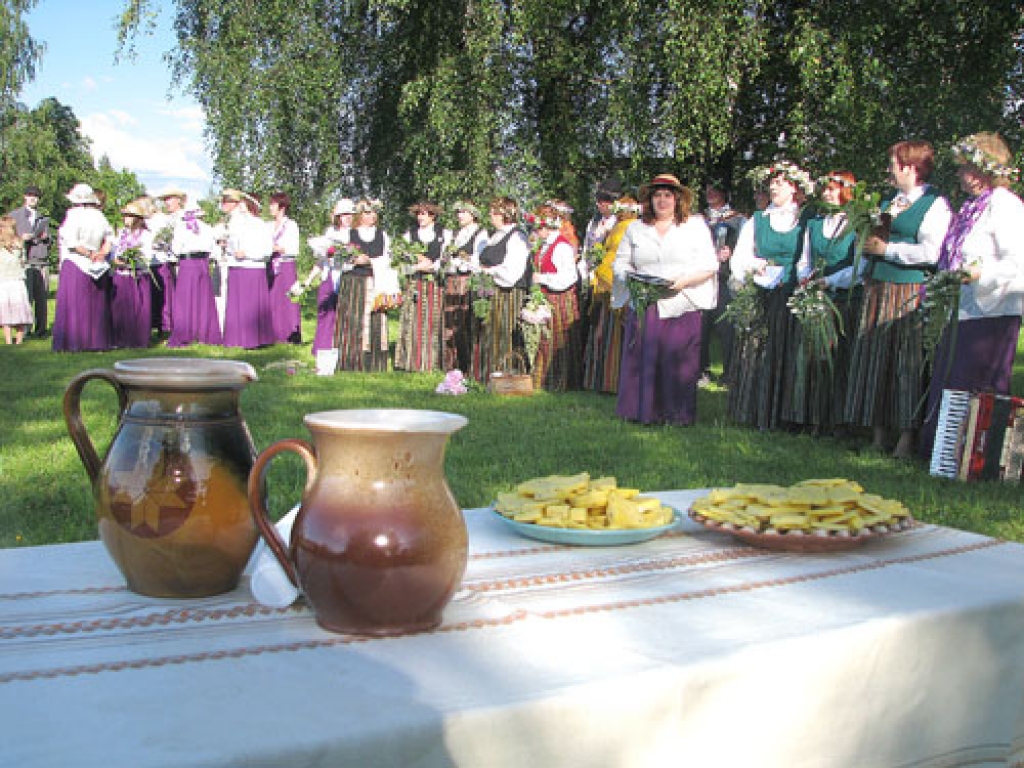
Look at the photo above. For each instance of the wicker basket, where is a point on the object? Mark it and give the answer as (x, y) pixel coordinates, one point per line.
(511, 377)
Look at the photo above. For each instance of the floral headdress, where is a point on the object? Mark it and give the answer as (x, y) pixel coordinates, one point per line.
(967, 151)
(622, 207)
(564, 209)
(545, 216)
(472, 210)
(371, 205)
(790, 171)
(834, 178)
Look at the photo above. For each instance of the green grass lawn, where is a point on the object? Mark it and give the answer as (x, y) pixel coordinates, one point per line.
(46, 498)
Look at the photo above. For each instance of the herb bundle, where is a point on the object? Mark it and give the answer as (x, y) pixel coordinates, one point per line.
(820, 321)
(745, 311)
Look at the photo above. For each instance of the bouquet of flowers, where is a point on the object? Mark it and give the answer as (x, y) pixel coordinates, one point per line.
(864, 218)
(595, 255)
(536, 322)
(405, 256)
(345, 253)
(297, 291)
(135, 262)
(745, 312)
(940, 305)
(820, 321)
(162, 239)
(482, 287)
(454, 383)
(643, 292)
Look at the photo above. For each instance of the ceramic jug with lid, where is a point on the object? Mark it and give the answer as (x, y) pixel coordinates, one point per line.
(379, 544)
(171, 492)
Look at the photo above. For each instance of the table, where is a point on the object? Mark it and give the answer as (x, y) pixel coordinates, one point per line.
(692, 649)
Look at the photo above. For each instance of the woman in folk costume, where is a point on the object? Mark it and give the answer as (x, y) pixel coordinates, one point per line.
(362, 330)
(82, 320)
(887, 376)
(131, 283)
(819, 389)
(557, 365)
(421, 326)
(247, 320)
(15, 309)
(767, 252)
(661, 346)
(603, 355)
(986, 241)
(327, 269)
(161, 224)
(506, 258)
(286, 315)
(467, 245)
(195, 306)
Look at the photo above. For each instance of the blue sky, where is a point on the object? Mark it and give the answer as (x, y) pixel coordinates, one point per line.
(127, 108)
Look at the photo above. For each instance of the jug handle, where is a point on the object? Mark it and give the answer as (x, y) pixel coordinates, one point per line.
(258, 504)
(73, 415)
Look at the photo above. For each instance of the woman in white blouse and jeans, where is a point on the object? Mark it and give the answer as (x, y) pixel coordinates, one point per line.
(661, 349)
(986, 240)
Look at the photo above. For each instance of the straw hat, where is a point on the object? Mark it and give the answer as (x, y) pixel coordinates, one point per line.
(345, 205)
(172, 192)
(134, 208)
(82, 194)
(232, 195)
(663, 180)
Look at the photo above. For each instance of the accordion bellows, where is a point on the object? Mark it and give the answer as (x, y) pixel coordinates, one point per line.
(979, 436)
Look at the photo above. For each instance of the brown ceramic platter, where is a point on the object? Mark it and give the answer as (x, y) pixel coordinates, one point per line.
(793, 541)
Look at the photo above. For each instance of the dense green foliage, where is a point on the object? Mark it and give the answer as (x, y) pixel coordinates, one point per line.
(464, 98)
(19, 53)
(44, 146)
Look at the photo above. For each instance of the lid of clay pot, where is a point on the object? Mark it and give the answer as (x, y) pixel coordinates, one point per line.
(184, 373)
(387, 420)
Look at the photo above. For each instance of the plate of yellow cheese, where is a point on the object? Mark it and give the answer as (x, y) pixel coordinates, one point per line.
(578, 510)
(817, 515)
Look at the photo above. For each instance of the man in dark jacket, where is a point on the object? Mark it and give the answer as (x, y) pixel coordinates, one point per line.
(34, 229)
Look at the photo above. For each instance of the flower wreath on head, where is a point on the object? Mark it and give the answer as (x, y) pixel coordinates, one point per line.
(832, 178)
(373, 205)
(536, 220)
(564, 209)
(967, 151)
(790, 171)
(619, 207)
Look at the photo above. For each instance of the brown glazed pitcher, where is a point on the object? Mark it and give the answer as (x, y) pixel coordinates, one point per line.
(171, 494)
(379, 544)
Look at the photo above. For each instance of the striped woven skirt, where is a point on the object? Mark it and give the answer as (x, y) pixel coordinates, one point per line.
(764, 366)
(502, 345)
(603, 355)
(362, 334)
(819, 389)
(421, 326)
(559, 360)
(887, 369)
(457, 341)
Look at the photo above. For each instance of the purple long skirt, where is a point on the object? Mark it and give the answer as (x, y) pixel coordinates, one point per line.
(660, 369)
(247, 322)
(130, 308)
(287, 315)
(982, 361)
(195, 309)
(82, 319)
(326, 316)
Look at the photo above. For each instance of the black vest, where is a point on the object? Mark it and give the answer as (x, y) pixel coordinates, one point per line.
(374, 249)
(494, 254)
(434, 247)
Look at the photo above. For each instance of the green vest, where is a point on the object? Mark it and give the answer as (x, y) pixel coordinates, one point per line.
(836, 253)
(781, 249)
(904, 230)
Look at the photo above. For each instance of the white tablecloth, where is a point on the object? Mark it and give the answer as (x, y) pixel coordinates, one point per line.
(692, 649)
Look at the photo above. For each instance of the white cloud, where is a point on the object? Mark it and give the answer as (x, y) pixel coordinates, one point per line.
(89, 84)
(155, 157)
(190, 118)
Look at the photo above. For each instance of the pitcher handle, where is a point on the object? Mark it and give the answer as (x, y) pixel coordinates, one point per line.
(258, 504)
(73, 415)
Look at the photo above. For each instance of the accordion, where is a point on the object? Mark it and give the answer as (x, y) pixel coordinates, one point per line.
(979, 436)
